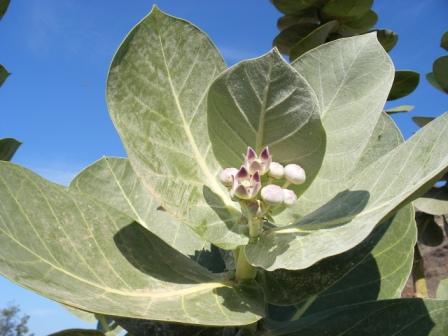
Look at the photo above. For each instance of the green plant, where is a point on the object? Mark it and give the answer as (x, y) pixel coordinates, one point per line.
(158, 237)
(306, 24)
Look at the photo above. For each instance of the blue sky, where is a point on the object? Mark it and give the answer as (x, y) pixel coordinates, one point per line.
(59, 51)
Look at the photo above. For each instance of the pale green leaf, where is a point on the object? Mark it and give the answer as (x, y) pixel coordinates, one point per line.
(156, 93)
(312, 40)
(8, 147)
(442, 290)
(113, 182)
(82, 253)
(351, 215)
(265, 102)
(351, 78)
(434, 202)
(401, 317)
(378, 268)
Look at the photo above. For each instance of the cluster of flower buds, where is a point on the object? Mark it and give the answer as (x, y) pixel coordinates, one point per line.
(246, 183)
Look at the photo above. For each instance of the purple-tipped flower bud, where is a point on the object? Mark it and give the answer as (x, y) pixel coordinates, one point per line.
(276, 170)
(272, 194)
(289, 197)
(226, 176)
(253, 163)
(244, 185)
(295, 174)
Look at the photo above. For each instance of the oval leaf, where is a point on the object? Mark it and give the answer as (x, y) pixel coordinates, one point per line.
(288, 37)
(294, 6)
(422, 121)
(265, 102)
(444, 41)
(312, 40)
(8, 148)
(434, 202)
(346, 8)
(156, 93)
(3, 74)
(387, 38)
(83, 253)
(405, 83)
(440, 71)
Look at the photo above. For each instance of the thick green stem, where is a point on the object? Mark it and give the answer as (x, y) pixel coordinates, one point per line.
(244, 270)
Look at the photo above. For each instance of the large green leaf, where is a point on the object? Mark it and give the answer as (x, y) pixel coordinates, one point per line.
(359, 25)
(113, 182)
(3, 74)
(369, 271)
(83, 253)
(378, 268)
(288, 37)
(405, 83)
(156, 93)
(434, 202)
(351, 215)
(399, 317)
(351, 78)
(265, 102)
(8, 148)
(312, 40)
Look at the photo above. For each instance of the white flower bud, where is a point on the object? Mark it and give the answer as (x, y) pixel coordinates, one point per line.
(272, 194)
(226, 176)
(276, 170)
(295, 174)
(289, 197)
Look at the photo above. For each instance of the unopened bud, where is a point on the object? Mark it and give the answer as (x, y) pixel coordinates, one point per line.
(289, 197)
(226, 176)
(272, 194)
(295, 174)
(276, 170)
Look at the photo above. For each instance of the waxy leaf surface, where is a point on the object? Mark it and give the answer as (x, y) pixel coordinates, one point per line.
(399, 317)
(85, 254)
(265, 102)
(113, 182)
(156, 93)
(349, 217)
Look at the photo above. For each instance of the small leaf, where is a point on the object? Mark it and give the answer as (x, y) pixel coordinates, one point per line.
(287, 21)
(8, 148)
(429, 232)
(351, 215)
(312, 40)
(265, 102)
(434, 202)
(291, 7)
(405, 83)
(399, 109)
(288, 37)
(3, 7)
(359, 25)
(3, 74)
(440, 71)
(85, 254)
(156, 93)
(387, 38)
(415, 317)
(422, 121)
(442, 290)
(346, 8)
(433, 81)
(444, 41)
(78, 332)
